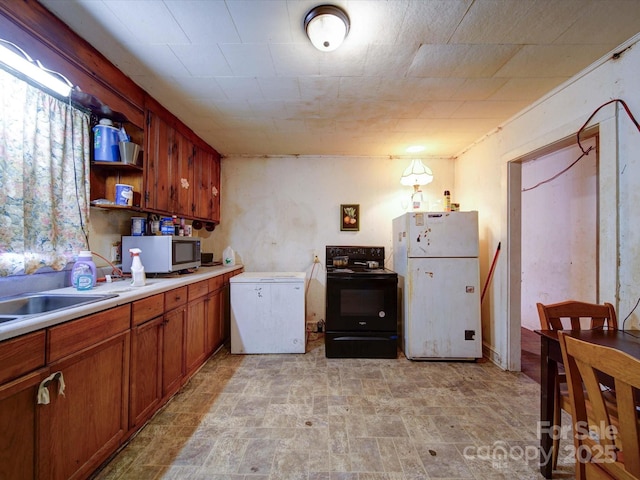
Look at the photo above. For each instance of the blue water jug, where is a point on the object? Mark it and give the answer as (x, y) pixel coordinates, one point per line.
(105, 142)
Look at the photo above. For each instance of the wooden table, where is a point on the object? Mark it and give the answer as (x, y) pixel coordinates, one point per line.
(628, 342)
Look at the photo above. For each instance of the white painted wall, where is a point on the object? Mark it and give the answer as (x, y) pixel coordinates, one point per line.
(106, 228)
(277, 212)
(482, 175)
(559, 231)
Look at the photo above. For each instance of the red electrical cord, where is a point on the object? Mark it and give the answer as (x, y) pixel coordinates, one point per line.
(115, 272)
(626, 108)
(586, 152)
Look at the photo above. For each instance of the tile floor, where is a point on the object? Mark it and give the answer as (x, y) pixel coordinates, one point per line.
(268, 417)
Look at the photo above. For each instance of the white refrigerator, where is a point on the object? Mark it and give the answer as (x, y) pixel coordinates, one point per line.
(268, 312)
(436, 257)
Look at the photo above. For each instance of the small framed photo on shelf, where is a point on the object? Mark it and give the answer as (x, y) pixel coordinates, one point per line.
(349, 218)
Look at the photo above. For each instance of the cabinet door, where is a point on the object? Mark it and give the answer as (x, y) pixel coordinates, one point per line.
(207, 178)
(203, 202)
(182, 178)
(214, 321)
(195, 334)
(214, 186)
(158, 172)
(172, 351)
(80, 429)
(18, 418)
(146, 371)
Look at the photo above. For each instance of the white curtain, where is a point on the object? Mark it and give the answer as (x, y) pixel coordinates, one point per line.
(44, 178)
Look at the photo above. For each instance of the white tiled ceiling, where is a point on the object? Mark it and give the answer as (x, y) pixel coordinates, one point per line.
(243, 75)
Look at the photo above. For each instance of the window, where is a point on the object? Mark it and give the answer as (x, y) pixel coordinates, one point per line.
(44, 178)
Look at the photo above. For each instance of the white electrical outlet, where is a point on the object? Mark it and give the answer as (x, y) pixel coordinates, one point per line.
(115, 253)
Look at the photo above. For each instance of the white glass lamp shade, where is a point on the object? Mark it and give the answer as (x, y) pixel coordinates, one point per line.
(416, 174)
(326, 26)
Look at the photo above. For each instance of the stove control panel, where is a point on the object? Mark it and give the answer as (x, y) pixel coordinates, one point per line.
(355, 253)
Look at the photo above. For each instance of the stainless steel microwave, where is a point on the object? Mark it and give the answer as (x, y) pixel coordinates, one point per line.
(162, 253)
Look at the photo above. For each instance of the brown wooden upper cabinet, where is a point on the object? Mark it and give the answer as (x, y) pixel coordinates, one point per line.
(206, 202)
(182, 175)
(160, 137)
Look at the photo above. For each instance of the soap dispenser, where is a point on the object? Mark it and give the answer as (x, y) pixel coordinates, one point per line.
(138, 278)
(83, 273)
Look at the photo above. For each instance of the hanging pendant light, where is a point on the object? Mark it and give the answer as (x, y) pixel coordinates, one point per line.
(327, 26)
(416, 174)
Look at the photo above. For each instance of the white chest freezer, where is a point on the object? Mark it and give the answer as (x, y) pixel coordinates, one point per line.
(268, 312)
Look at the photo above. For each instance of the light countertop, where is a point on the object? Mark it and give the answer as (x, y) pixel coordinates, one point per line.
(122, 288)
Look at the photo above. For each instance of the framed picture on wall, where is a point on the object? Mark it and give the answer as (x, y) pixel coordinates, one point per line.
(349, 217)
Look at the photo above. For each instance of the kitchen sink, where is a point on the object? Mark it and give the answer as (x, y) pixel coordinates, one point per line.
(36, 303)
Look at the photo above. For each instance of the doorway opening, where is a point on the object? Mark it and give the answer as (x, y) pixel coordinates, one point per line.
(553, 237)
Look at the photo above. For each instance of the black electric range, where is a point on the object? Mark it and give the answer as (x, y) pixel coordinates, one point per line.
(361, 305)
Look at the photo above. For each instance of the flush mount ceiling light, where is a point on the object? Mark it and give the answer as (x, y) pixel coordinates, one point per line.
(415, 148)
(326, 26)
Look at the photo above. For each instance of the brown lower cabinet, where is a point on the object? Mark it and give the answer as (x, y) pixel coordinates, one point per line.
(214, 313)
(119, 367)
(81, 428)
(147, 327)
(18, 454)
(22, 368)
(173, 363)
(195, 337)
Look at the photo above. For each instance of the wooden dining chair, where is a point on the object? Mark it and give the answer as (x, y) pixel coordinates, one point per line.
(571, 315)
(612, 449)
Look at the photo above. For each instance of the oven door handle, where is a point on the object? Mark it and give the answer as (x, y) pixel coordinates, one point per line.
(378, 338)
(362, 278)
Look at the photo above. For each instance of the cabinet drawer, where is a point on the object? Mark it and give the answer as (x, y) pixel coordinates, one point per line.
(87, 331)
(216, 283)
(21, 355)
(147, 308)
(198, 289)
(175, 298)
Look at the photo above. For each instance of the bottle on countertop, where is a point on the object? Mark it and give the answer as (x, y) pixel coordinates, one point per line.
(447, 201)
(83, 273)
(138, 278)
(417, 200)
(176, 225)
(228, 257)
